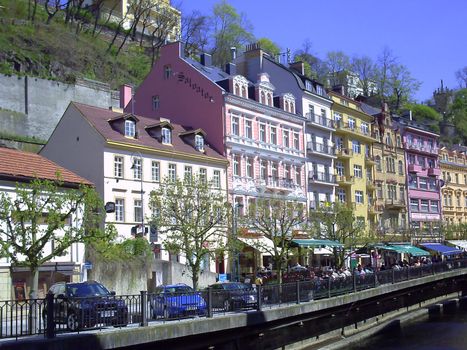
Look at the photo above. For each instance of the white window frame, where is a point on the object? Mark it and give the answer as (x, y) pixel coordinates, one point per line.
(216, 179)
(118, 167)
(248, 129)
(172, 172)
(235, 125)
(130, 128)
(156, 171)
(119, 209)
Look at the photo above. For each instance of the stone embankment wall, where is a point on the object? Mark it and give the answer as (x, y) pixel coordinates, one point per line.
(32, 106)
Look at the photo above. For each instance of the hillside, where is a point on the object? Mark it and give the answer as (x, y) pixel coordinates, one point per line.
(55, 51)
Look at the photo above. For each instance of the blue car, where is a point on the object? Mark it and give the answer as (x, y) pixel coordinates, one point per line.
(177, 300)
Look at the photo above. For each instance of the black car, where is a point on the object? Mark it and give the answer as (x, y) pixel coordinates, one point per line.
(233, 295)
(85, 304)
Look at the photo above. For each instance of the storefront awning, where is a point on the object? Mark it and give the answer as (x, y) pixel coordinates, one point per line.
(314, 243)
(262, 244)
(440, 248)
(459, 243)
(410, 249)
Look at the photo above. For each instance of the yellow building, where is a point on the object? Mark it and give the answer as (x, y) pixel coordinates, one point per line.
(454, 192)
(154, 15)
(390, 176)
(354, 166)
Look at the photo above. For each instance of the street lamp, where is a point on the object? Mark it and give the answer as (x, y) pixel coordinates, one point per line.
(236, 259)
(134, 157)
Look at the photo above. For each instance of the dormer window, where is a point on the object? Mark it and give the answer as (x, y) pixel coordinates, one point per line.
(308, 85)
(244, 93)
(262, 97)
(240, 86)
(166, 136)
(199, 143)
(130, 128)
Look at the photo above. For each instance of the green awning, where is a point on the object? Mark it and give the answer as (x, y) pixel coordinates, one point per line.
(404, 249)
(314, 243)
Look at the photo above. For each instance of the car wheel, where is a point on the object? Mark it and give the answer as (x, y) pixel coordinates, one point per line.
(72, 322)
(227, 305)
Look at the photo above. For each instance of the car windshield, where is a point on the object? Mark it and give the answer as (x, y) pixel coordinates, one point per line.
(86, 290)
(234, 286)
(178, 289)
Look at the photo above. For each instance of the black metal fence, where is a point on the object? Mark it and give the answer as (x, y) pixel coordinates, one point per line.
(53, 315)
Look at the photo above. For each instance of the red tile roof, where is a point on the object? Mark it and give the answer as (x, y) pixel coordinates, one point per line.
(99, 119)
(20, 165)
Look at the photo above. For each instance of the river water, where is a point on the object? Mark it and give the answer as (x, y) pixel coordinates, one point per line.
(447, 332)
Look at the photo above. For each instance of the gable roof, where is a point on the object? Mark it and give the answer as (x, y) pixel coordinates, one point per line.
(24, 166)
(99, 117)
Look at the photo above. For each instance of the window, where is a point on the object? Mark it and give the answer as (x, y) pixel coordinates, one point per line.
(401, 167)
(274, 171)
(296, 141)
(412, 181)
(188, 174)
(155, 103)
(402, 193)
(323, 113)
(340, 168)
(411, 158)
(414, 205)
(118, 166)
(341, 195)
(432, 183)
(199, 142)
(390, 165)
(130, 128)
(357, 171)
(138, 210)
(285, 138)
(378, 163)
(431, 163)
(456, 176)
(248, 129)
(273, 135)
(434, 206)
(424, 205)
(298, 175)
(167, 71)
(244, 94)
(216, 179)
(351, 123)
(287, 172)
(365, 128)
(379, 190)
(269, 100)
(236, 165)
(137, 168)
(156, 171)
(263, 169)
(422, 183)
(337, 116)
(392, 192)
(249, 167)
(203, 177)
(356, 146)
(235, 126)
(262, 132)
(119, 210)
(398, 141)
(172, 172)
(166, 136)
(359, 197)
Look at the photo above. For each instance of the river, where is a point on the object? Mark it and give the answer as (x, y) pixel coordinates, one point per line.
(446, 332)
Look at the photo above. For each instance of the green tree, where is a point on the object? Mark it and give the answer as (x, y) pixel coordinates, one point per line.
(195, 29)
(278, 220)
(192, 216)
(365, 69)
(425, 115)
(269, 46)
(41, 212)
(230, 29)
(461, 76)
(315, 68)
(458, 114)
(337, 222)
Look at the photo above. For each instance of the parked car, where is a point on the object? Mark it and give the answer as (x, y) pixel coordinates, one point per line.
(177, 300)
(85, 304)
(233, 295)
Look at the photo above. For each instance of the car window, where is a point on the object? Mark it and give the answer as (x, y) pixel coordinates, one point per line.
(233, 286)
(60, 289)
(86, 290)
(179, 289)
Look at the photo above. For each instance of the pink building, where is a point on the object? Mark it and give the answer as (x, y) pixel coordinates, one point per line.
(423, 171)
(256, 129)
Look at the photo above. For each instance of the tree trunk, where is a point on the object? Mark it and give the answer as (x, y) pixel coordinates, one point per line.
(33, 319)
(195, 276)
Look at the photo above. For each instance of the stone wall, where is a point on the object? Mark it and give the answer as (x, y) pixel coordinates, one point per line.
(33, 106)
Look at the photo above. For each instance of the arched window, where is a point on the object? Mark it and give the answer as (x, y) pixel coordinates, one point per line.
(269, 100)
(286, 106)
(262, 98)
(237, 90)
(292, 107)
(244, 92)
(378, 163)
(401, 168)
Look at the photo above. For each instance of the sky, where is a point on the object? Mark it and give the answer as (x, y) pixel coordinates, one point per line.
(428, 36)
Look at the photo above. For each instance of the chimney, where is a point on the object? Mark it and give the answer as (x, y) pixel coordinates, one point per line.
(126, 92)
(206, 59)
(231, 68)
(410, 114)
(233, 52)
(298, 67)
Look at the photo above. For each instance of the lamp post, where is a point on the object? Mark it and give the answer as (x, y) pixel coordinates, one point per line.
(236, 258)
(134, 157)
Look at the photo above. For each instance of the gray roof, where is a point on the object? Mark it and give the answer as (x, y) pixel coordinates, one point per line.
(213, 73)
(370, 109)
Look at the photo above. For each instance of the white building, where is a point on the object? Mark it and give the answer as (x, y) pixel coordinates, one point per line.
(18, 167)
(123, 153)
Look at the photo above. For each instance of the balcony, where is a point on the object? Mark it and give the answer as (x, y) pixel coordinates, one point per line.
(320, 149)
(370, 184)
(344, 180)
(434, 171)
(392, 203)
(363, 134)
(344, 153)
(459, 209)
(370, 160)
(421, 148)
(373, 209)
(415, 168)
(277, 183)
(320, 177)
(448, 208)
(320, 121)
